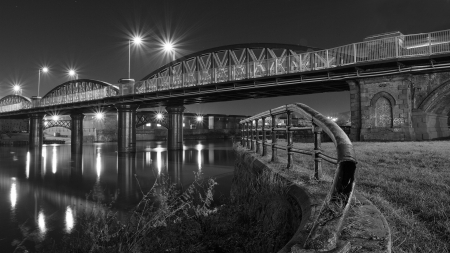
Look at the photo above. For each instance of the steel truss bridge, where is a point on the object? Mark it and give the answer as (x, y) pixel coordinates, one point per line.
(247, 71)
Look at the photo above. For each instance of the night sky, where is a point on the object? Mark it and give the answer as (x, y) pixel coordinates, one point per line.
(92, 36)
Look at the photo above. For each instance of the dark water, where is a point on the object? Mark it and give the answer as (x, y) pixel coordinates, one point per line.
(42, 191)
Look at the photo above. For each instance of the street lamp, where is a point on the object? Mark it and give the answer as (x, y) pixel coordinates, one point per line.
(73, 73)
(137, 41)
(168, 47)
(17, 89)
(44, 70)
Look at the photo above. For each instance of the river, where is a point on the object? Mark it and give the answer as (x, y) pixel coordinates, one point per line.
(42, 191)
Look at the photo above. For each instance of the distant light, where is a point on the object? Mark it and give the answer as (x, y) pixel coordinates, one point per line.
(55, 117)
(16, 87)
(72, 72)
(168, 47)
(199, 118)
(184, 125)
(158, 125)
(45, 69)
(148, 124)
(137, 40)
(159, 116)
(99, 115)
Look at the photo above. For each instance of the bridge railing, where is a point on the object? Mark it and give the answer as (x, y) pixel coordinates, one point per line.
(14, 107)
(344, 179)
(77, 97)
(402, 46)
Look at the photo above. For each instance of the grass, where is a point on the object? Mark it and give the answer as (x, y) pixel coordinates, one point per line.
(409, 182)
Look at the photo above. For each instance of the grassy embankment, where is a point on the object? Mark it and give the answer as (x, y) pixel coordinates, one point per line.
(410, 183)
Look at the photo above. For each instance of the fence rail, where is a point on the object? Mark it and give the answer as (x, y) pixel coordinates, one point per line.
(403, 46)
(177, 76)
(344, 180)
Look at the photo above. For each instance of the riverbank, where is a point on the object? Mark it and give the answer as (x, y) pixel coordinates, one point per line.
(409, 182)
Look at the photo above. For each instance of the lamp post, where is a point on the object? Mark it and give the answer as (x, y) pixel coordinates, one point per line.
(137, 41)
(73, 74)
(168, 47)
(45, 70)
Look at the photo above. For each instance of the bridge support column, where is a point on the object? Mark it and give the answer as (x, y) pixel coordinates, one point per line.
(126, 123)
(76, 127)
(36, 130)
(355, 110)
(175, 127)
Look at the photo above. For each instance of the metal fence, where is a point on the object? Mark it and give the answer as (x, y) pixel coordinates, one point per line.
(344, 180)
(402, 46)
(174, 77)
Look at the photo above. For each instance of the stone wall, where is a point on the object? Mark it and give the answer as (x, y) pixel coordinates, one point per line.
(401, 107)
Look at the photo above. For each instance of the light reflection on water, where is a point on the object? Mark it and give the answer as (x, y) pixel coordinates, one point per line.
(51, 186)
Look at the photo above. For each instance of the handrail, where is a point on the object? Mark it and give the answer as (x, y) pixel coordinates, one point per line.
(402, 46)
(343, 184)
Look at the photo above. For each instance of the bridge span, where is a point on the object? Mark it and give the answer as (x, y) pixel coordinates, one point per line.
(399, 87)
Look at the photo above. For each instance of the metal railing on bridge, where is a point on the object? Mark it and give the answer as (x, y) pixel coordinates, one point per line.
(401, 46)
(181, 74)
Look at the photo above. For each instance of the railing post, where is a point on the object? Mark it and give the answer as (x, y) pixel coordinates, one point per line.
(317, 146)
(396, 46)
(290, 155)
(252, 145)
(248, 135)
(354, 52)
(429, 44)
(242, 135)
(258, 148)
(328, 63)
(264, 140)
(274, 140)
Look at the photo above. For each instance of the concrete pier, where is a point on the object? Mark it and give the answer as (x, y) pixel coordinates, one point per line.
(126, 124)
(76, 146)
(175, 127)
(36, 131)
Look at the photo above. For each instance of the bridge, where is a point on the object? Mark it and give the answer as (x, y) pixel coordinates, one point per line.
(399, 87)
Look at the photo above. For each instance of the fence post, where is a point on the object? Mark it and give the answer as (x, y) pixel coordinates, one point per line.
(258, 149)
(242, 135)
(274, 140)
(317, 159)
(264, 140)
(248, 135)
(429, 44)
(252, 137)
(354, 52)
(397, 38)
(290, 155)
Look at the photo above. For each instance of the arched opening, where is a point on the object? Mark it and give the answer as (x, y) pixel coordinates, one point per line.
(383, 112)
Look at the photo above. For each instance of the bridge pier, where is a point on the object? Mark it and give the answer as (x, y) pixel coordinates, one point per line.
(76, 127)
(175, 127)
(36, 130)
(126, 124)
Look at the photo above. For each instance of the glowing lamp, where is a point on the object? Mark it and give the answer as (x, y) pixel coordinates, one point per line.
(168, 47)
(99, 115)
(55, 117)
(159, 116)
(16, 87)
(45, 69)
(199, 118)
(137, 40)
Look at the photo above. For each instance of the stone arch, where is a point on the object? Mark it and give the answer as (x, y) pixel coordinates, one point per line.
(382, 105)
(438, 100)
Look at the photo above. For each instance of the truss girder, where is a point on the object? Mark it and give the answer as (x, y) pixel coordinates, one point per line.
(79, 90)
(14, 103)
(57, 123)
(235, 62)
